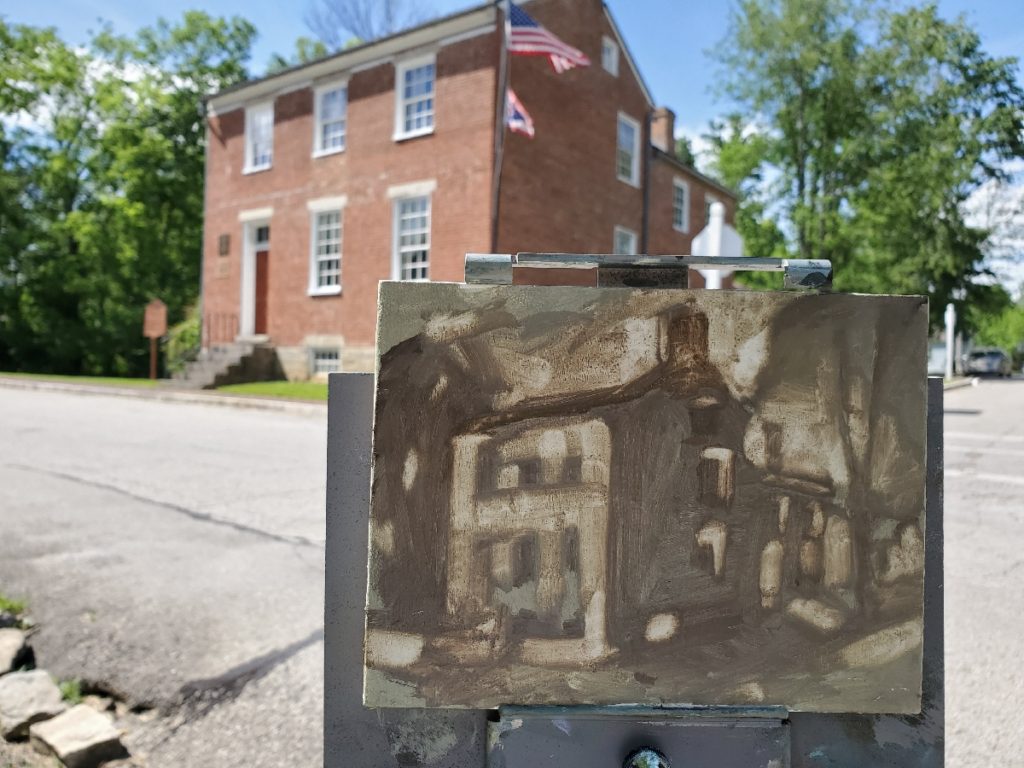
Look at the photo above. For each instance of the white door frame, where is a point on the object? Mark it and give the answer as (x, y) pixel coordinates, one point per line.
(251, 221)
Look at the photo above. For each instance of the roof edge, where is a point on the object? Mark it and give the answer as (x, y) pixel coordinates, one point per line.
(660, 154)
(629, 55)
(431, 32)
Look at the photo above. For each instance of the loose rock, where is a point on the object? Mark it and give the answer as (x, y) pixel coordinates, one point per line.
(79, 738)
(99, 703)
(27, 698)
(12, 650)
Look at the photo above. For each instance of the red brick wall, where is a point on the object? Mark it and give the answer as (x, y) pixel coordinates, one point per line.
(559, 190)
(459, 156)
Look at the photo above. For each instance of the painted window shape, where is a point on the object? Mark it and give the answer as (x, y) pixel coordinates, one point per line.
(412, 225)
(680, 205)
(610, 56)
(326, 361)
(625, 241)
(717, 476)
(415, 98)
(331, 119)
(327, 251)
(627, 158)
(259, 137)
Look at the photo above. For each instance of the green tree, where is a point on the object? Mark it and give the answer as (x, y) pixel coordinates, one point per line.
(306, 50)
(112, 171)
(878, 125)
(684, 152)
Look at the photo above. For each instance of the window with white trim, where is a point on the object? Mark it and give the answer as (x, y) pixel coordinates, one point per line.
(625, 241)
(326, 256)
(627, 153)
(680, 205)
(414, 93)
(610, 56)
(326, 361)
(331, 109)
(412, 238)
(259, 137)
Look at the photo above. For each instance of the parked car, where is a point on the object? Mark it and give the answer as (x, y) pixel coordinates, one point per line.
(989, 362)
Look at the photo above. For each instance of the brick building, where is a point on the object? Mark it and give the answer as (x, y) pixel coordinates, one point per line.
(380, 162)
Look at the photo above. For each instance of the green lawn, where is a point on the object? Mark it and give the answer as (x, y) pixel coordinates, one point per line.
(295, 390)
(103, 381)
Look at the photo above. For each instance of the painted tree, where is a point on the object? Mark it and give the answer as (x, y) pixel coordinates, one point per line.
(878, 125)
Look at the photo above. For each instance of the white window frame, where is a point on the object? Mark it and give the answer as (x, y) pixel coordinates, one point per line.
(400, 69)
(681, 184)
(634, 178)
(625, 232)
(610, 56)
(318, 352)
(318, 135)
(317, 208)
(396, 251)
(251, 112)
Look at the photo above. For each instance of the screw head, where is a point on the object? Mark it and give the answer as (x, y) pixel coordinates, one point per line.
(646, 758)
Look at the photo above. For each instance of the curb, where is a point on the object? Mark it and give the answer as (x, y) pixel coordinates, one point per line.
(172, 396)
(959, 384)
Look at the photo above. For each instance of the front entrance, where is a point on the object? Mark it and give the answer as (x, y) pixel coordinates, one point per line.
(262, 291)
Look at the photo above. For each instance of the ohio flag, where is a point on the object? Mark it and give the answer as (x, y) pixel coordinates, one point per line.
(516, 116)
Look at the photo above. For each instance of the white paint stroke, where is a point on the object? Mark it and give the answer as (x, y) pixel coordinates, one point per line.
(980, 449)
(984, 436)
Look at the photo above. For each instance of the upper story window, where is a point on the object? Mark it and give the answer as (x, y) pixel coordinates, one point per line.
(331, 110)
(259, 137)
(627, 153)
(625, 241)
(610, 55)
(414, 93)
(412, 238)
(680, 205)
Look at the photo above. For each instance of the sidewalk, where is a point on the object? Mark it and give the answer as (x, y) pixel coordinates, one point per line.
(959, 382)
(167, 394)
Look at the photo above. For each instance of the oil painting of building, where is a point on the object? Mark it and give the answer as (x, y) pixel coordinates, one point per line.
(607, 496)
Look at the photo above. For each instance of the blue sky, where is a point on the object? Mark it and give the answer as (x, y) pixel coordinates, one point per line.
(668, 37)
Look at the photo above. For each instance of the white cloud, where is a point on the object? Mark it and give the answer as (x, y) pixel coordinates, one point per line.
(998, 206)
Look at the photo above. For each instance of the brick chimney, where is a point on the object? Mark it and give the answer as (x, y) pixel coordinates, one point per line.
(663, 130)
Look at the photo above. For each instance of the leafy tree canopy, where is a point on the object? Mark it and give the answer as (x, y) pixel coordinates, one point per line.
(102, 179)
(875, 125)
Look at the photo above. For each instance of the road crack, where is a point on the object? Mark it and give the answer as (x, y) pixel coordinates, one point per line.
(202, 517)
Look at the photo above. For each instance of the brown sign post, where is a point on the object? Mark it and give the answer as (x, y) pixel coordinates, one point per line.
(154, 325)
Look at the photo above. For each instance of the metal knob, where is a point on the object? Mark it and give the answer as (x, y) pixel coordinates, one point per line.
(646, 758)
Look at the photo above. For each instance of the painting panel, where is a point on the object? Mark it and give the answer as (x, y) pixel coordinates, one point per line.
(610, 496)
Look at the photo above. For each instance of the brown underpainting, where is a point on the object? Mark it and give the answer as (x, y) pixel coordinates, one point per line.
(611, 496)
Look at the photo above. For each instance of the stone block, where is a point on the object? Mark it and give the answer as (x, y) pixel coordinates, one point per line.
(79, 738)
(27, 698)
(12, 650)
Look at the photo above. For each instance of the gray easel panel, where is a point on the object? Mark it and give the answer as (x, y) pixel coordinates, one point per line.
(355, 737)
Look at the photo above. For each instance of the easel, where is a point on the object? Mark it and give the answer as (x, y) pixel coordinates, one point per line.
(725, 737)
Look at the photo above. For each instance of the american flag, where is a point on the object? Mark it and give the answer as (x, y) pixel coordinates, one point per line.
(518, 119)
(529, 38)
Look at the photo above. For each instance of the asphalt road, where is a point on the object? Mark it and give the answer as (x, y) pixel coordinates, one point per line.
(174, 554)
(984, 452)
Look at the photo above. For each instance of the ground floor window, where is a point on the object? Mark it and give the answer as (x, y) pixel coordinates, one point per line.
(412, 238)
(326, 361)
(326, 251)
(625, 241)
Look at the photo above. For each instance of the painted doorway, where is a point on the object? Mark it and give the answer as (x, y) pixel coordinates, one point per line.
(255, 315)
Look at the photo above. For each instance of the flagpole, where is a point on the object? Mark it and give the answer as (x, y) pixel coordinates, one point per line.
(502, 111)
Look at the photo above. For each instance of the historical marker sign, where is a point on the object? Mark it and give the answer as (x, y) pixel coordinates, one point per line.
(155, 323)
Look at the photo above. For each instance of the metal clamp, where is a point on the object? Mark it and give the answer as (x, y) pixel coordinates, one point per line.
(498, 268)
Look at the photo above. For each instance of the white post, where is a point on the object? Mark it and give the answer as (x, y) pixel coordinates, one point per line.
(713, 278)
(716, 239)
(950, 343)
